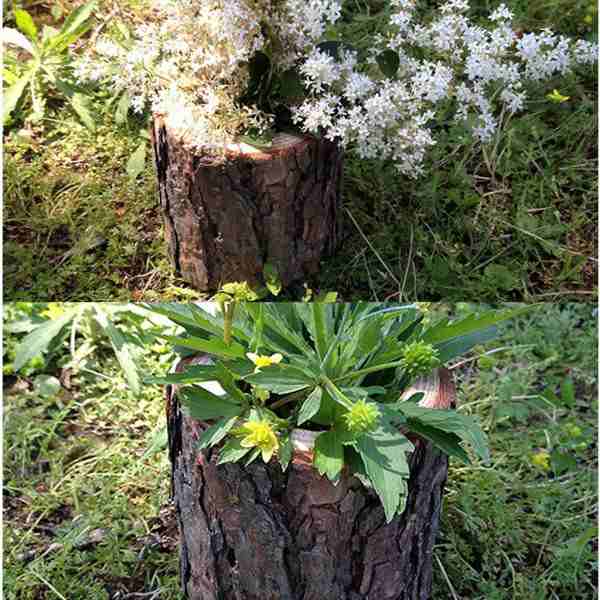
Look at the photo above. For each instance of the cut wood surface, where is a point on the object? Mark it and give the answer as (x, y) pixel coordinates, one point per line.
(226, 216)
(257, 533)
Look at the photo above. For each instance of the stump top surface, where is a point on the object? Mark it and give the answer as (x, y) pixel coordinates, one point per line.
(281, 144)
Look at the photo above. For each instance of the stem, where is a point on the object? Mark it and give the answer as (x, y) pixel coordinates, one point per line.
(368, 370)
(228, 312)
(337, 393)
(301, 394)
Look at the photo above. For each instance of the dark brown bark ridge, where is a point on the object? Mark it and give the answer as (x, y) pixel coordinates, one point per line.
(225, 217)
(257, 533)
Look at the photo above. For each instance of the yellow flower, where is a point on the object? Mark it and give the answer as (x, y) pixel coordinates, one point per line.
(557, 97)
(54, 310)
(541, 460)
(264, 361)
(259, 434)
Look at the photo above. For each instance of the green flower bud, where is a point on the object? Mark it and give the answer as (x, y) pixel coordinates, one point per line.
(362, 417)
(37, 362)
(261, 394)
(419, 358)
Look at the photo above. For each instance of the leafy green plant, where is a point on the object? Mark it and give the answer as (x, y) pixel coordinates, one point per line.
(337, 369)
(48, 68)
(242, 291)
(47, 333)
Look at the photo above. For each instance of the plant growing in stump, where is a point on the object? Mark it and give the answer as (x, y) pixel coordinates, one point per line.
(304, 407)
(254, 101)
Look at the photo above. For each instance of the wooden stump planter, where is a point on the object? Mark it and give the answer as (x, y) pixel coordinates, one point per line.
(226, 216)
(258, 533)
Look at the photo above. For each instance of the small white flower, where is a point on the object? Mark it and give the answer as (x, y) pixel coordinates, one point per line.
(502, 13)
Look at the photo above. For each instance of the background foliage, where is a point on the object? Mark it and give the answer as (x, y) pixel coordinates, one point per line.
(82, 222)
(78, 458)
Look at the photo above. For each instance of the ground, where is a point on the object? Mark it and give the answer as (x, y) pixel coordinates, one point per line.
(86, 483)
(516, 223)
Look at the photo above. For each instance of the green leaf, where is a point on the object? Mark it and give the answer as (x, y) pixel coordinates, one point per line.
(310, 407)
(124, 350)
(443, 330)
(272, 280)
(262, 142)
(25, 24)
(567, 392)
(215, 433)
(500, 276)
(188, 316)
(275, 320)
(388, 62)
(454, 339)
(204, 405)
(281, 379)
(38, 341)
(329, 410)
(326, 297)
(232, 451)
(291, 84)
(286, 451)
(384, 455)
(122, 109)
(320, 327)
(329, 454)
(137, 161)
(81, 105)
(77, 18)
(562, 461)
(227, 380)
(337, 395)
(450, 421)
(12, 96)
(459, 346)
(446, 441)
(212, 346)
(193, 374)
(259, 324)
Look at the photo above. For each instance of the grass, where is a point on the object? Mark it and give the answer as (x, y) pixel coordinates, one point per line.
(76, 460)
(516, 222)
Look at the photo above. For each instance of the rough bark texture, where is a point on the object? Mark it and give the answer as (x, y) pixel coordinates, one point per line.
(225, 217)
(256, 533)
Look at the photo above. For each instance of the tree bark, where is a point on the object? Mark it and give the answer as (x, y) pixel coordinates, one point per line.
(226, 216)
(257, 533)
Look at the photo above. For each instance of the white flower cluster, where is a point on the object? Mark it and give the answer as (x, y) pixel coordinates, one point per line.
(472, 66)
(191, 64)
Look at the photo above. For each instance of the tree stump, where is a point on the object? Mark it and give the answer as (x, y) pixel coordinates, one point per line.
(257, 533)
(226, 216)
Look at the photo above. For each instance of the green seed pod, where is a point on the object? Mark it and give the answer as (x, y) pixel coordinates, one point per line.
(419, 358)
